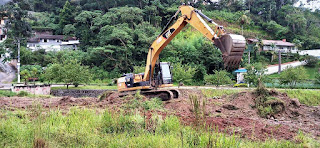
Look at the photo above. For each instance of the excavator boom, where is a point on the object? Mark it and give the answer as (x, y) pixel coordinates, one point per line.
(232, 46)
(158, 75)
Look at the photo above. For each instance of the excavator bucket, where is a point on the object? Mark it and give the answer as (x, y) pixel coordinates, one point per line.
(232, 47)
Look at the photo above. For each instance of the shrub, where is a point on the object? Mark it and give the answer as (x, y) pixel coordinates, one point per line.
(311, 61)
(219, 78)
(23, 94)
(183, 73)
(241, 85)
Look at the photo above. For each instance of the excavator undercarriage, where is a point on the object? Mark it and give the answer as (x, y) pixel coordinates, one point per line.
(157, 78)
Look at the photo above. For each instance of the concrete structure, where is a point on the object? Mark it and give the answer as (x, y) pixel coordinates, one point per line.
(44, 39)
(33, 89)
(240, 76)
(281, 45)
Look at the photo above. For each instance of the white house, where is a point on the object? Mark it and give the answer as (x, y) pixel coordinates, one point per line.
(52, 42)
(281, 45)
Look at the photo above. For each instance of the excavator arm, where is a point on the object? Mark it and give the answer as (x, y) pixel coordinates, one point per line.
(232, 46)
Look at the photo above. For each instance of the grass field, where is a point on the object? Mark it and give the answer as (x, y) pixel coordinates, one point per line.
(312, 72)
(308, 97)
(87, 128)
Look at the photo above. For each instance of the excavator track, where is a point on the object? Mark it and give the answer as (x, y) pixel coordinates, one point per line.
(163, 94)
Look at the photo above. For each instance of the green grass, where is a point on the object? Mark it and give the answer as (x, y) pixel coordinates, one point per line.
(212, 93)
(308, 97)
(85, 87)
(311, 72)
(87, 128)
(7, 93)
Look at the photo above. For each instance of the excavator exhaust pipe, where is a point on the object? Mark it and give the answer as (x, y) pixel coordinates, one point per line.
(232, 47)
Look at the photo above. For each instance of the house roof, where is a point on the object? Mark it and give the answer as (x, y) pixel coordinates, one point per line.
(277, 43)
(270, 42)
(37, 38)
(241, 70)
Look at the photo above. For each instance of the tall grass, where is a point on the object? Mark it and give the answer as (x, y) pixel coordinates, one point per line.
(7, 93)
(86, 128)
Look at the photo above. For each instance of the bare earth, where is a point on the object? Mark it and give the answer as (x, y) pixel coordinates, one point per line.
(229, 114)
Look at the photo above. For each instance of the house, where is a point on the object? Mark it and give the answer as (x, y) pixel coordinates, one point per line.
(43, 39)
(275, 45)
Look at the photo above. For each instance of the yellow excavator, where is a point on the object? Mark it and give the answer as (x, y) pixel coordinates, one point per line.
(158, 75)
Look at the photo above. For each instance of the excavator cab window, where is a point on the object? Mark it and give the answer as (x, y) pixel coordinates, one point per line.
(166, 73)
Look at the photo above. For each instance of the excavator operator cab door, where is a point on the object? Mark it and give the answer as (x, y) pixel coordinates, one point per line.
(165, 73)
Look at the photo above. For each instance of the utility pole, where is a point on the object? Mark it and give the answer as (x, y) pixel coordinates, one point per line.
(249, 57)
(279, 55)
(18, 64)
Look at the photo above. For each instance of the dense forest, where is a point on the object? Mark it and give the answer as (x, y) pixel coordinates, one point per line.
(115, 34)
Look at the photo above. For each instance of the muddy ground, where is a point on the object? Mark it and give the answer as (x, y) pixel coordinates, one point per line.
(230, 114)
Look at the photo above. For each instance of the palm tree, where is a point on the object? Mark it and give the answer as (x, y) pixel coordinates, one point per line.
(244, 19)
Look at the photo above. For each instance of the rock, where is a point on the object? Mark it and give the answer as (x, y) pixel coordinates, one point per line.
(230, 107)
(218, 111)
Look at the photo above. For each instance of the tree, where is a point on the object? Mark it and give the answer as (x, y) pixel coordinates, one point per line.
(183, 73)
(244, 20)
(69, 72)
(19, 28)
(273, 52)
(293, 75)
(254, 73)
(66, 15)
(25, 75)
(219, 78)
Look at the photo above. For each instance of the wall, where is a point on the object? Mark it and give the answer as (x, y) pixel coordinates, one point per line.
(33, 89)
(274, 68)
(77, 93)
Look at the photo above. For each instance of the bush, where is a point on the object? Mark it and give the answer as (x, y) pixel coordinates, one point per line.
(241, 85)
(219, 78)
(183, 73)
(311, 61)
(22, 94)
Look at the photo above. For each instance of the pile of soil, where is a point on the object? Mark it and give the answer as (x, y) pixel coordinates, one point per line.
(232, 114)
